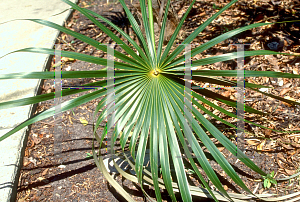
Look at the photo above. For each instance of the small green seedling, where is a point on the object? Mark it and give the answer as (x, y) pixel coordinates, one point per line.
(73, 112)
(190, 171)
(88, 155)
(226, 29)
(269, 180)
(216, 7)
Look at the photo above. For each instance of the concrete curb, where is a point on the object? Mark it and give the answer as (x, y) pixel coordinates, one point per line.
(16, 35)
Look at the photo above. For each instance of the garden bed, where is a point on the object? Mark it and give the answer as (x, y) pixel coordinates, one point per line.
(75, 177)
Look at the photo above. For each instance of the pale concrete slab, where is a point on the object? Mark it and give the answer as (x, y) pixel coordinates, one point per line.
(13, 36)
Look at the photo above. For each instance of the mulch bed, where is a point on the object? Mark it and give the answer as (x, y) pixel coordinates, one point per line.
(73, 175)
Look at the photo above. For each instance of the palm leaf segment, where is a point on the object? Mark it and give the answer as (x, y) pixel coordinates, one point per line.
(149, 106)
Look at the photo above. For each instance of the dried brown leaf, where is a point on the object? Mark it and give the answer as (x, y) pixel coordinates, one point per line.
(45, 171)
(253, 142)
(226, 93)
(260, 146)
(284, 91)
(290, 172)
(36, 140)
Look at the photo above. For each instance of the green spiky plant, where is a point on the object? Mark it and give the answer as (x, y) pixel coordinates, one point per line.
(149, 105)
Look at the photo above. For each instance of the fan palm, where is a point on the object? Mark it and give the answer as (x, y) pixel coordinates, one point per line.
(149, 110)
